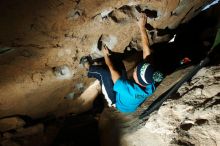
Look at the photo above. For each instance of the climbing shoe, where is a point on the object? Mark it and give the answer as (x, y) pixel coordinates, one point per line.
(86, 61)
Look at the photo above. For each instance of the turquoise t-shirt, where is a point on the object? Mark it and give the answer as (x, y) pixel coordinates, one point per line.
(130, 95)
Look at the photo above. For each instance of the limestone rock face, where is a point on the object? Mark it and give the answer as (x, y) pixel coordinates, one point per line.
(192, 118)
(11, 123)
(41, 43)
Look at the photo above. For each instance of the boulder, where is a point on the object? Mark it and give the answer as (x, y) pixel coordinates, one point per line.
(11, 123)
(41, 43)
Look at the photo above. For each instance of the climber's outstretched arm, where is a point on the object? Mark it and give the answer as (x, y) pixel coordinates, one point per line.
(144, 37)
(114, 73)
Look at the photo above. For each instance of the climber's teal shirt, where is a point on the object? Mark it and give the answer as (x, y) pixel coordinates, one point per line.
(130, 95)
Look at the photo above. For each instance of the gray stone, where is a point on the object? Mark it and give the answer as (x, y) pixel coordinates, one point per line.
(5, 50)
(70, 96)
(80, 86)
(62, 72)
(211, 91)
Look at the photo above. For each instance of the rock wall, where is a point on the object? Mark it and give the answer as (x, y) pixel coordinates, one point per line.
(41, 43)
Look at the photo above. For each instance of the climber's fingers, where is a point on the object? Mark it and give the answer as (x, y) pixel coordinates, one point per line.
(105, 50)
(142, 19)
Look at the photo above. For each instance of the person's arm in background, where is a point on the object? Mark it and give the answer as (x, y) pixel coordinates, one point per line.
(144, 37)
(114, 73)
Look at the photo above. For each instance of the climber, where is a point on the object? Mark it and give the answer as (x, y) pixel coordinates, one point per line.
(120, 92)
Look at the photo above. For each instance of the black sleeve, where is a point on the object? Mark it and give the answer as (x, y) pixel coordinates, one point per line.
(149, 59)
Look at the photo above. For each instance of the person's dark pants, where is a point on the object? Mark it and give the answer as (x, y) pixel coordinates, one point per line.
(102, 73)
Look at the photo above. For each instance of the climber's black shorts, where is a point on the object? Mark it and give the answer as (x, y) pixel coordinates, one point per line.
(102, 73)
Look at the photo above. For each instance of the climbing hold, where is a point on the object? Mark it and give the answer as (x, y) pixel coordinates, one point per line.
(69, 96)
(62, 72)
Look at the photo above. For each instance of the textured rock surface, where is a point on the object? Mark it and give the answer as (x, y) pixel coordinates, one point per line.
(11, 123)
(41, 43)
(192, 118)
(24, 132)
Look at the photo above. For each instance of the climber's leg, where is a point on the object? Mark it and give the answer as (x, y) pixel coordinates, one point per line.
(102, 73)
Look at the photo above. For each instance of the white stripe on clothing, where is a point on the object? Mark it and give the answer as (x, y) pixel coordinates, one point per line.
(104, 90)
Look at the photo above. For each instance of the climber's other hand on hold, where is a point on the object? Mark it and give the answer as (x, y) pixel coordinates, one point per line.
(105, 51)
(144, 36)
(142, 20)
